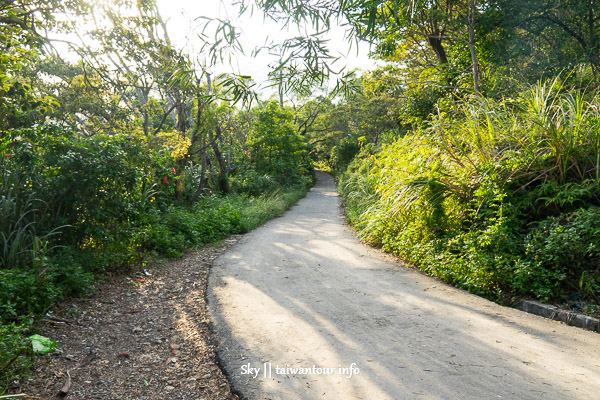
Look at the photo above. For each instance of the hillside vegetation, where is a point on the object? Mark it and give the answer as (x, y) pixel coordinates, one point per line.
(497, 197)
(124, 158)
(74, 208)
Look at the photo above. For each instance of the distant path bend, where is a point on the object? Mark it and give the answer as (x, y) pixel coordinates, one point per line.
(302, 292)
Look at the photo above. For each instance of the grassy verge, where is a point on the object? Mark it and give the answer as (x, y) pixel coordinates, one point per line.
(258, 210)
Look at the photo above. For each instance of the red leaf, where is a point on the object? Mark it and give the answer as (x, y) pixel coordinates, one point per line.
(174, 348)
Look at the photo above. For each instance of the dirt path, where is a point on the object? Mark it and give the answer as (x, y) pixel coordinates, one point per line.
(323, 317)
(137, 337)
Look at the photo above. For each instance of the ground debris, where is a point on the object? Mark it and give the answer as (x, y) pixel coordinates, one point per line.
(148, 340)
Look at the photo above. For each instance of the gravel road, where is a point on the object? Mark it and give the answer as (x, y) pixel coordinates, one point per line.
(303, 310)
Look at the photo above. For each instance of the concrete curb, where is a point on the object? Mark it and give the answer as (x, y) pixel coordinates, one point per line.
(568, 317)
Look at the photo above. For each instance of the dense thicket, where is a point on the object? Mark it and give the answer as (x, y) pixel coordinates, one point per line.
(497, 198)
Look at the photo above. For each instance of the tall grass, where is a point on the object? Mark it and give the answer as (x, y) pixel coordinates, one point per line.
(255, 211)
(459, 198)
(24, 243)
(563, 130)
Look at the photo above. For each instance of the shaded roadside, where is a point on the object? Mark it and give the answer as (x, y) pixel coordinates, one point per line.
(137, 336)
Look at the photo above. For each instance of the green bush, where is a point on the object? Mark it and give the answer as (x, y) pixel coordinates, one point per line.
(275, 150)
(180, 228)
(497, 198)
(258, 210)
(561, 257)
(254, 183)
(342, 154)
(15, 352)
(26, 293)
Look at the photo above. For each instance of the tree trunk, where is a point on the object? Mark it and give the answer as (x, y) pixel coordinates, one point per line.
(180, 109)
(594, 60)
(171, 105)
(188, 112)
(222, 180)
(198, 191)
(229, 156)
(142, 95)
(280, 88)
(435, 42)
(472, 12)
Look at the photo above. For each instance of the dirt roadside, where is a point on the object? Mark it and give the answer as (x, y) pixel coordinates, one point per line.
(137, 337)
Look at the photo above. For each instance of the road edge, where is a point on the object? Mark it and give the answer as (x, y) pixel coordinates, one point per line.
(554, 313)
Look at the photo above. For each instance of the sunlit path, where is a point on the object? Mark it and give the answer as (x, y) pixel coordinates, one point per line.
(304, 311)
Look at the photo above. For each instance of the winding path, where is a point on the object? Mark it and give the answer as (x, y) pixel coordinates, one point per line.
(303, 297)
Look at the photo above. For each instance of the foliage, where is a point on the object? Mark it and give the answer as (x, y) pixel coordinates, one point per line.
(258, 210)
(173, 142)
(458, 47)
(73, 207)
(80, 97)
(15, 353)
(342, 153)
(274, 146)
(496, 197)
(275, 153)
(541, 38)
(176, 229)
(560, 255)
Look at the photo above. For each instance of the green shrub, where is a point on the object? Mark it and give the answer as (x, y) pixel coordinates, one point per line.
(342, 154)
(26, 293)
(496, 198)
(560, 254)
(258, 210)
(15, 353)
(276, 154)
(254, 183)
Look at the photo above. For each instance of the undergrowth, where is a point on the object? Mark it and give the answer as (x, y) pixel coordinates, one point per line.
(499, 198)
(27, 295)
(74, 208)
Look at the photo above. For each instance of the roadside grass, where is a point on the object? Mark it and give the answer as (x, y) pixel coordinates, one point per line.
(258, 210)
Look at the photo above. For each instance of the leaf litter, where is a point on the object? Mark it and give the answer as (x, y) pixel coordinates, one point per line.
(144, 336)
